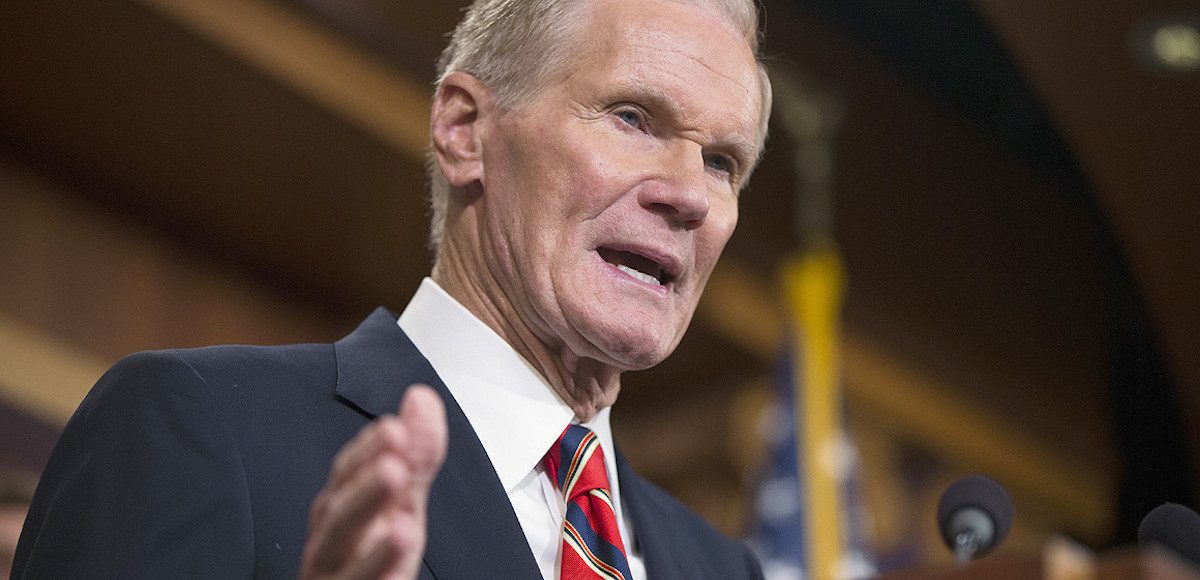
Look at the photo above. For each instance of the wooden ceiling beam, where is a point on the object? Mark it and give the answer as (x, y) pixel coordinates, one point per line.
(42, 375)
(314, 62)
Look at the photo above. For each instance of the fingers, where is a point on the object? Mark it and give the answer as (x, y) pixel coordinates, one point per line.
(379, 562)
(419, 434)
(343, 515)
(369, 520)
(385, 555)
(383, 433)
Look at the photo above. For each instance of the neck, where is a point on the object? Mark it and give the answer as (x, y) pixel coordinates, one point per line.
(584, 384)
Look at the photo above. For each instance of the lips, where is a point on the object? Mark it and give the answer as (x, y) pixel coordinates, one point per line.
(641, 264)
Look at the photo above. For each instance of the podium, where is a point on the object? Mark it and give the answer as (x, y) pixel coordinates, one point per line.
(1062, 562)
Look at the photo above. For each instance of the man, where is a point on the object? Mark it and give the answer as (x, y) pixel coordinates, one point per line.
(587, 158)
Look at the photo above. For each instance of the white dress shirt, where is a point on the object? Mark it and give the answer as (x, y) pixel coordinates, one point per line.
(515, 413)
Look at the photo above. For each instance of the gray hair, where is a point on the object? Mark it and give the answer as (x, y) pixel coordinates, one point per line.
(516, 47)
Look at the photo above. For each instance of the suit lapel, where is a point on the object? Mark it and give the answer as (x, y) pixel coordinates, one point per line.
(652, 531)
(473, 531)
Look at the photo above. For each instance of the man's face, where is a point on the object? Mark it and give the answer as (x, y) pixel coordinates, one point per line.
(609, 198)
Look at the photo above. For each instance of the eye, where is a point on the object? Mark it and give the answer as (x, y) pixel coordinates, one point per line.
(719, 162)
(632, 117)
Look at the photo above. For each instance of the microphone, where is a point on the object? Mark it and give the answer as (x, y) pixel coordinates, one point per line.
(1175, 527)
(974, 516)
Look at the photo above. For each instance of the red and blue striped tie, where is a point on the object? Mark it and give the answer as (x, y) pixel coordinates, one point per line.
(591, 546)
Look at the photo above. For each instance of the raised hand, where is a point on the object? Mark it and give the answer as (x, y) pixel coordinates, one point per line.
(369, 519)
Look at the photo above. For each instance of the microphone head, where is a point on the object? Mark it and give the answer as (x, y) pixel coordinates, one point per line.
(1173, 526)
(978, 505)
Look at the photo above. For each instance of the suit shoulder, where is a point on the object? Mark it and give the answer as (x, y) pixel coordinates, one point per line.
(147, 456)
(220, 364)
(232, 357)
(234, 374)
(717, 554)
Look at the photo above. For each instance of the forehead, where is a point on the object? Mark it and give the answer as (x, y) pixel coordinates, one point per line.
(686, 53)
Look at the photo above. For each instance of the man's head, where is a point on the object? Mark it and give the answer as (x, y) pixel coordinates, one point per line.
(590, 158)
(517, 47)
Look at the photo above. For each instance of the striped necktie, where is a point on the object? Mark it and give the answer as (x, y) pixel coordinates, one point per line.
(591, 546)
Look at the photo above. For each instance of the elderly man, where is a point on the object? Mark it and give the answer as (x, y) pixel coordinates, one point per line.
(587, 159)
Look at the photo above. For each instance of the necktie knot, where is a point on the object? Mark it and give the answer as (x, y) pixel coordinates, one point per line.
(576, 463)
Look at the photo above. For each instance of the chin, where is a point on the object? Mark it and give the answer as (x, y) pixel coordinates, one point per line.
(630, 331)
(635, 349)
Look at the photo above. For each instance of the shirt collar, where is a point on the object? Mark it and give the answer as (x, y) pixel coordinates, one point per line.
(513, 409)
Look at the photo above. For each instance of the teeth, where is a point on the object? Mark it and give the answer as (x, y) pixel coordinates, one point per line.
(639, 275)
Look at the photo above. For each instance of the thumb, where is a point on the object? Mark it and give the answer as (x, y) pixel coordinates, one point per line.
(424, 418)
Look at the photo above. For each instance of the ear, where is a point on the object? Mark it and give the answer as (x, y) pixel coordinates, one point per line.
(454, 125)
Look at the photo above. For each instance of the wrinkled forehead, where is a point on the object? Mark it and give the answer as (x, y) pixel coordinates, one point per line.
(718, 31)
(689, 45)
(742, 15)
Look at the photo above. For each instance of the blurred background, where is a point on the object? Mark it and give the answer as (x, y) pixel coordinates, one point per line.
(1004, 194)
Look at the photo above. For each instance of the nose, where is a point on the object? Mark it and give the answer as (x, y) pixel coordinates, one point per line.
(681, 193)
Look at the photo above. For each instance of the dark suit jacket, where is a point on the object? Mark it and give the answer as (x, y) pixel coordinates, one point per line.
(202, 463)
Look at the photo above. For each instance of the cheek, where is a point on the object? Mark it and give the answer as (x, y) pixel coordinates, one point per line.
(722, 220)
(571, 212)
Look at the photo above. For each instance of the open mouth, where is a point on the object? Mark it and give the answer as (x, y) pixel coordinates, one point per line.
(637, 266)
